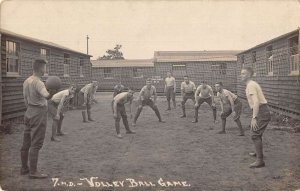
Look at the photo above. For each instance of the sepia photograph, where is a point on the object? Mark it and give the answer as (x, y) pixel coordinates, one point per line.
(149, 95)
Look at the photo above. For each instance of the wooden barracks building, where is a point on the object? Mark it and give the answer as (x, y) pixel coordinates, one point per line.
(276, 65)
(18, 53)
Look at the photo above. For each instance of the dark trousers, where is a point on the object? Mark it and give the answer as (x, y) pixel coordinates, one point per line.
(56, 125)
(185, 97)
(34, 134)
(121, 113)
(87, 108)
(150, 103)
(170, 94)
(237, 108)
(209, 102)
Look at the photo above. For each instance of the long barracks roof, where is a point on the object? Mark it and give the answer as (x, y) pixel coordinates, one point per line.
(51, 44)
(190, 56)
(122, 63)
(272, 40)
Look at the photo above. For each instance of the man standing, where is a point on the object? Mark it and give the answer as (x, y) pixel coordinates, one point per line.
(170, 90)
(120, 111)
(35, 119)
(86, 96)
(260, 117)
(145, 96)
(230, 103)
(56, 105)
(187, 92)
(204, 93)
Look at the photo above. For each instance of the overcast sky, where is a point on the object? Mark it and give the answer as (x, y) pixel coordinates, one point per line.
(143, 27)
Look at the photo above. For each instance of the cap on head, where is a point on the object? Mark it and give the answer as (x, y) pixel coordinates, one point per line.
(250, 70)
(148, 81)
(38, 63)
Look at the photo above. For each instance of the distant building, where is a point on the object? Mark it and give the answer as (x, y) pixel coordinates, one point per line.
(212, 66)
(18, 53)
(276, 66)
(131, 73)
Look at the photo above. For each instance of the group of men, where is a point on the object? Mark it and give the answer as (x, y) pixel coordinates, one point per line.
(40, 101)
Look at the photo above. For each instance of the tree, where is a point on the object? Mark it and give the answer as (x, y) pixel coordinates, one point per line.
(113, 54)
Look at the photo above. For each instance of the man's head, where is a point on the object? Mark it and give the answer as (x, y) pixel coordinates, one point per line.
(169, 74)
(39, 67)
(130, 93)
(219, 86)
(246, 74)
(186, 79)
(95, 83)
(204, 83)
(72, 89)
(149, 83)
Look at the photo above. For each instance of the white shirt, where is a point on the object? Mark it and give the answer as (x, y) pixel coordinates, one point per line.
(58, 96)
(34, 91)
(225, 94)
(204, 92)
(146, 93)
(254, 89)
(188, 88)
(170, 82)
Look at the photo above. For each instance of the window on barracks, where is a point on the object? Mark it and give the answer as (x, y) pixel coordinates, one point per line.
(45, 54)
(108, 73)
(67, 62)
(179, 70)
(294, 55)
(269, 60)
(219, 69)
(12, 57)
(81, 64)
(137, 72)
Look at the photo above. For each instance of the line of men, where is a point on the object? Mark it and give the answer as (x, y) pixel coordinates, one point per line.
(36, 95)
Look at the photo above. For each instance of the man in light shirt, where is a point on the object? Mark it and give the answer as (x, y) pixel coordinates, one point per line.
(145, 98)
(119, 111)
(35, 119)
(230, 103)
(86, 97)
(260, 114)
(56, 106)
(170, 90)
(187, 92)
(204, 93)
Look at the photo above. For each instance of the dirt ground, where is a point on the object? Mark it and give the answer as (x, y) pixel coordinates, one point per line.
(176, 155)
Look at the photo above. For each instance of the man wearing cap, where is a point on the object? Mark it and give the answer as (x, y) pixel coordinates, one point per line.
(35, 119)
(260, 114)
(230, 103)
(170, 90)
(145, 98)
(119, 111)
(86, 96)
(56, 105)
(204, 93)
(187, 92)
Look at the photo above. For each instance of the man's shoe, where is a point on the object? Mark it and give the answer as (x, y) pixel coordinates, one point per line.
(183, 116)
(38, 176)
(257, 164)
(222, 132)
(130, 132)
(195, 121)
(24, 171)
(119, 136)
(253, 154)
(55, 139)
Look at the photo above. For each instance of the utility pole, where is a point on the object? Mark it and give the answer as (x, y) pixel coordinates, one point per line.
(87, 44)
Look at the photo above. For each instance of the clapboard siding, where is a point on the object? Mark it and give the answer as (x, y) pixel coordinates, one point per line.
(12, 88)
(282, 90)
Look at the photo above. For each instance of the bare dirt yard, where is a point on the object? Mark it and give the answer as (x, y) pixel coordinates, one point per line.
(176, 155)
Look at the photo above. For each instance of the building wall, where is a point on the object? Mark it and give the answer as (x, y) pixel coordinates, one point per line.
(13, 104)
(123, 75)
(199, 71)
(281, 89)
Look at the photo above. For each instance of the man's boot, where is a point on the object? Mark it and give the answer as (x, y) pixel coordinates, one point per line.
(33, 174)
(138, 112)
(183, 112)
(223, 127)
(59, 132)
(24, 159)
(84, 117)
(89, 113)
(239, 124)
(158, 115)
(196, 116)
(259, 153)
(54, 129)
(169, 105)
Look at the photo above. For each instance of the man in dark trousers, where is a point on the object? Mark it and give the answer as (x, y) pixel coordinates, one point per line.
(230, 104)
(119, 111)
(170, 90)
(187, 92)
(260, 114)
(86, 97)
(35, 119)
(145, 98)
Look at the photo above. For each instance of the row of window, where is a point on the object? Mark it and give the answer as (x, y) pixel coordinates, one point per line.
(13, 60)
(137, 73)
